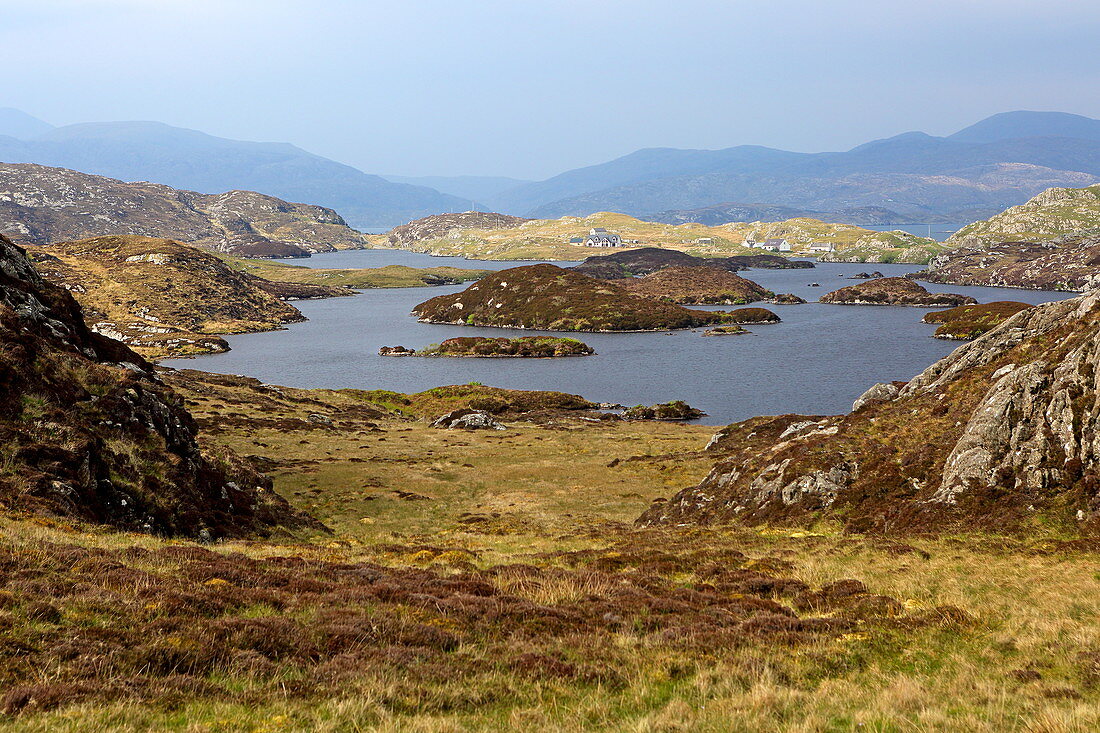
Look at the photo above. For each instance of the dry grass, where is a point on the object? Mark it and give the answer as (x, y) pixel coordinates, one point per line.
(983, 633)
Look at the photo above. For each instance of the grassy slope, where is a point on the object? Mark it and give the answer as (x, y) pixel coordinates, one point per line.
(391, 276)
(1017, 659)
(548, 239)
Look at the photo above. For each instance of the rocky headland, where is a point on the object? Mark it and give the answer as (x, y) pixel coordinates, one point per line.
(1071, 262)
(967, 322)
(43, 205)
(550, 298)
(894, 291)
(166, 298)
(1054, 213)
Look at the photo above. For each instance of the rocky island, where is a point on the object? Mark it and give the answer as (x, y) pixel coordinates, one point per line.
(526, 347)
(894, 291)
(550, 298)
(967, 322)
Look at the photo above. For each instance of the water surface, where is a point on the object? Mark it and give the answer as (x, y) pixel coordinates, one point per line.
(816, 362)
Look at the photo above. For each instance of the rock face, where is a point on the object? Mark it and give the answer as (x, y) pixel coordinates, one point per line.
(89, 432)
(893, 291)
(550, 298)
(42, 205)
(971, 321)
(163, 297)
(440, 226)
(1064, 263)
(1001, 434)
(696, 286)
(1053, 213)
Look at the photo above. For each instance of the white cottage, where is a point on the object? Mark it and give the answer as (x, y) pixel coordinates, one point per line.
(599, 237)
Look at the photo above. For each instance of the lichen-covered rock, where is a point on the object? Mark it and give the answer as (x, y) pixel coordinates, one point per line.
(467, 419)
(675, 410)
(1002, 434)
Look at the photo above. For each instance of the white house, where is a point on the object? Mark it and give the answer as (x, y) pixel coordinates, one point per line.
(823, 247)
(599, 237)
(775, 245)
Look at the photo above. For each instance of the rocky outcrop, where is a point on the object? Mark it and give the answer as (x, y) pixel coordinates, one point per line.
(675, 410)
(166, 298)
(696, 286)
(551, 298)
(442, 226)
(467, 419)
(89, 432)
(971, 321)
(788, 299)
(893, 291)
(1070, 263)
(42, 205)
(1002, 434)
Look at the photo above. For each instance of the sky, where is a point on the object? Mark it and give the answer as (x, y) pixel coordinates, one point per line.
(529, 89)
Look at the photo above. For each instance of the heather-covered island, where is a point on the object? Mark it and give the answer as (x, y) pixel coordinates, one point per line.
(966, 322)
(894, 291)
(550, 298)
(530, 347)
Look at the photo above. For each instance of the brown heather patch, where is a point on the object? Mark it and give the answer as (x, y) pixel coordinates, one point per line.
(971, 321)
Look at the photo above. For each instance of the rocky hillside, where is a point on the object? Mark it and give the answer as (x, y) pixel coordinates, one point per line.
(696, 286)
(1071, 262)
(999, 435)
(1053, 213)
(447, 226)
(550, 298)
(894, 291)
(41, 205)
(89, 432)
(163, 297)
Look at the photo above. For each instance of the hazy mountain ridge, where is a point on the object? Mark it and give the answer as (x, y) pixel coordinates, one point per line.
(987, 165)
(151, 151)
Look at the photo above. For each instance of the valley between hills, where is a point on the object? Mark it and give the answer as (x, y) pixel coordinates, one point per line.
(192, 551)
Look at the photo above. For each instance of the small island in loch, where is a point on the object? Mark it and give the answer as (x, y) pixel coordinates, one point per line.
(524, 347)
(550, 298)
(967, 322)
(733, 330)
(894, 291)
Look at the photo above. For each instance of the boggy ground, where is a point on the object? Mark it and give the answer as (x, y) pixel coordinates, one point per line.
(493, 580)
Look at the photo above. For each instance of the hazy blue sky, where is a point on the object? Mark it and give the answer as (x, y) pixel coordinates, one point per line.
(528, 89)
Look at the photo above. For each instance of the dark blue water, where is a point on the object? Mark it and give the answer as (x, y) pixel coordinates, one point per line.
(817, 361)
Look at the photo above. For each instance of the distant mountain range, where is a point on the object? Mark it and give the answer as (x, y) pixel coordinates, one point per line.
(998, 162)
(188, 159)
(911, 178)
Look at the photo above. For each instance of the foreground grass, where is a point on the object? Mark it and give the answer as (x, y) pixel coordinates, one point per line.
(521, 598)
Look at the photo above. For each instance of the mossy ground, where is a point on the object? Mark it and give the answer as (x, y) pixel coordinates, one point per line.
(493, 580)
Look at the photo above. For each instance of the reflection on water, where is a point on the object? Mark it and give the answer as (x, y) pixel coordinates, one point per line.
(816, 362)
